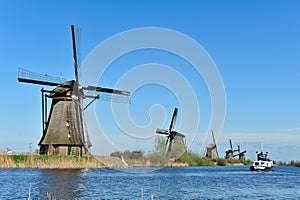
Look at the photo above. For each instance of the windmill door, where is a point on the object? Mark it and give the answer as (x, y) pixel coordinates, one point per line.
(69, 150)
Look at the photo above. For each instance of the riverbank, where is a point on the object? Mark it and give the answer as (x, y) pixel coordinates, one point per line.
(48, 162)
(74, 162)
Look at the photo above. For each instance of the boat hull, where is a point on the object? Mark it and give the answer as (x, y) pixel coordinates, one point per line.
(261, 165)
(253, 168)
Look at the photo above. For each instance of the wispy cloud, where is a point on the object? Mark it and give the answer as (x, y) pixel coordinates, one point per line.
(288, 129)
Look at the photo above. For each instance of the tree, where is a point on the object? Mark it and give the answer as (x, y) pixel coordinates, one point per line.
(158, 157)
(160, 144)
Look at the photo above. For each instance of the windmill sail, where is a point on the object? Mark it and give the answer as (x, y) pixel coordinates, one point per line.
(79, 104)
(173, 119)
(36, 78)
(74, 53)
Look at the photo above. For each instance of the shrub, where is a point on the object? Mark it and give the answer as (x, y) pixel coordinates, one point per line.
(203, 161)
(193, 159)
(189, 158)
(247, 162)
(221, 161)
(292, 163)
(158, 159)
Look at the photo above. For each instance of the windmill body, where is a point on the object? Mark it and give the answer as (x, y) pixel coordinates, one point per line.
(175, 145)
(63, 133)
(64, 130)
(211, 149)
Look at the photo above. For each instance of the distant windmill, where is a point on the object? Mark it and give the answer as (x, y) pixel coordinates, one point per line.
(66, 132)
(211, 149)
(175, 144)
(230, 153)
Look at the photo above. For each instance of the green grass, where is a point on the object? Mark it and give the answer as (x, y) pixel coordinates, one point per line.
(57, 158)
(19, 158)
(221, 161)
(247, 162)
(193, 159)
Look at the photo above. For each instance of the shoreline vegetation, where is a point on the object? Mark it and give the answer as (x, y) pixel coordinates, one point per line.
(75, 162)
(132, 159)
(158, 157)
(48, 161)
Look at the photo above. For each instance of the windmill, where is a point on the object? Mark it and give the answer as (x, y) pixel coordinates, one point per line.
(230, 153)
(211, 149)
(175, 144)
(64, 130)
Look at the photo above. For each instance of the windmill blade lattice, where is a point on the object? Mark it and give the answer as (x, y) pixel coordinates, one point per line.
(37, 78)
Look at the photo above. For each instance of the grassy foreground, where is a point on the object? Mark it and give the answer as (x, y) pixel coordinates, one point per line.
(49, 162)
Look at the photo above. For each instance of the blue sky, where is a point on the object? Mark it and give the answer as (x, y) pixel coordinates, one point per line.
(254, 44)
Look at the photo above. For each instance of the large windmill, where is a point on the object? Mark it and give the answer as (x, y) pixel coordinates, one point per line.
(175, 144)
(64, 130)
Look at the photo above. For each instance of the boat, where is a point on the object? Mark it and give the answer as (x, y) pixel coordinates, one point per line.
(262, 163)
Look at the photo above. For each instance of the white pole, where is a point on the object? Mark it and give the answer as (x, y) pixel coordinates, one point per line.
(29, 192)
(142, 193)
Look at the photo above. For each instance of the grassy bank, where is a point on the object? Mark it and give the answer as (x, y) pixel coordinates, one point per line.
(193, 159)
(49, 162)
(133, 159)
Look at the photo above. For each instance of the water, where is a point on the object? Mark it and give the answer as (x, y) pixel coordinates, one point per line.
(166, 183)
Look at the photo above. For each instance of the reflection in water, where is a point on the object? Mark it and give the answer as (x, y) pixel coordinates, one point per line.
(63, 183)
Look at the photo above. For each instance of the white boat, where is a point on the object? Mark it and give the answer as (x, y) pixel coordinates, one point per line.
(263, 163)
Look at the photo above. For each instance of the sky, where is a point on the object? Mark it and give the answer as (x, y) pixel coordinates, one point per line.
(248, 78)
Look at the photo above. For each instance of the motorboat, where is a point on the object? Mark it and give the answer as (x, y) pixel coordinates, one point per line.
(262, 163)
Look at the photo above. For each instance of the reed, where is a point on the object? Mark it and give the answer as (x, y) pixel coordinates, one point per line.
(48, 161)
